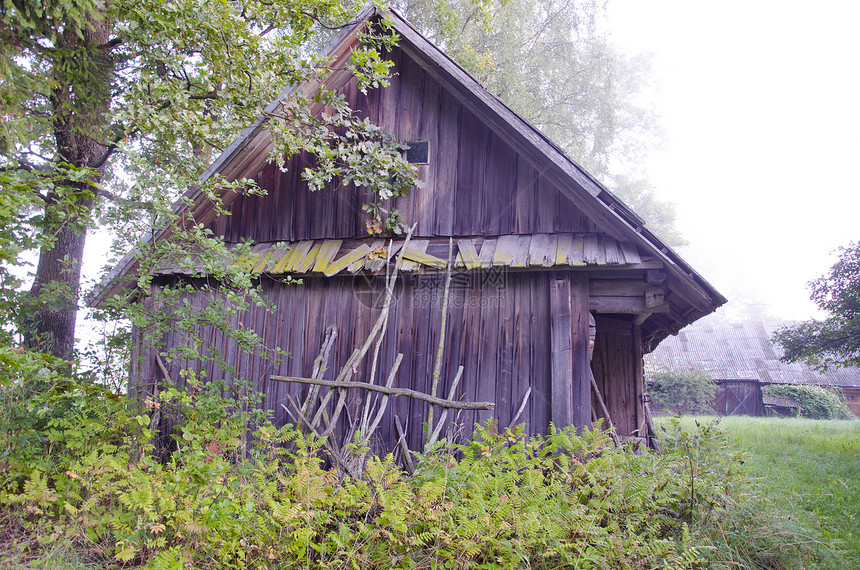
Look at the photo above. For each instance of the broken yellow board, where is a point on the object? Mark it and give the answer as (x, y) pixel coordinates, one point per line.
(305, 263)
(355, 255)
(328, 250)
(468, 254)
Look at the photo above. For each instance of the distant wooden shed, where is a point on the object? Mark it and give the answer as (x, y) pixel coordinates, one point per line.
(539, 248)
(742, 359)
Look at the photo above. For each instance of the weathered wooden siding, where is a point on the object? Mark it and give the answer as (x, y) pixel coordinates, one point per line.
(475, 184)
(852, 396)
(499, 329)
(739, 398)
(617, 367)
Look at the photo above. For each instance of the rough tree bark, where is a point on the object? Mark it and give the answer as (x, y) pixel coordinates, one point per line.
(80, 100)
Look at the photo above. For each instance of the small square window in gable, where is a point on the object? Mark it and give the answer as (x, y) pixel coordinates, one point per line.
(418, 152)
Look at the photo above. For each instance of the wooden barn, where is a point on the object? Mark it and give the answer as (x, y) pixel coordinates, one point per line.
(742, 359)
(539, 250)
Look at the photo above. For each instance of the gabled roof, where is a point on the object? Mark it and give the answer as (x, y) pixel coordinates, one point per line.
(741, 351)
(693, 296)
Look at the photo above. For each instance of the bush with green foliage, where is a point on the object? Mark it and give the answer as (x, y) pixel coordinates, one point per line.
(682, 391)
(79, 478)
(816, 402)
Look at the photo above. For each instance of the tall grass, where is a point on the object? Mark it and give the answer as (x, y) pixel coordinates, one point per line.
(809, 470)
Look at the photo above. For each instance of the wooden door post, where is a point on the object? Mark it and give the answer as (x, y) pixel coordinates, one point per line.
(581, 362)
(562, 350)
(571, 382)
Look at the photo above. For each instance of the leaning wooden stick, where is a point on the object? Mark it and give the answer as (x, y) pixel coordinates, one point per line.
(401, 441)
(320, 365)
(444, 415)
(522, 406)
(604, 409)
(383, 404)
(437, 368)
(390, 391)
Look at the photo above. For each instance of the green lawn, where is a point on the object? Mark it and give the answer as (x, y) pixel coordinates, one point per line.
(809, 469)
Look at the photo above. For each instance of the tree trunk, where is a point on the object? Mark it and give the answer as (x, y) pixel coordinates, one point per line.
(83, 71)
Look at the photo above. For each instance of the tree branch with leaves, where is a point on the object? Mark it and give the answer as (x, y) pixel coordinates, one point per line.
(835, 340)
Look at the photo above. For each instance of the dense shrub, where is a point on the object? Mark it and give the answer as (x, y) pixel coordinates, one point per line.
(815, 402)
(81, 482)
(682, 391)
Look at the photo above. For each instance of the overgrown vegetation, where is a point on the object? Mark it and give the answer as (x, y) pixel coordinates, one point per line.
(79, 483)
(809, 471)
(815, 402)
(682, 391)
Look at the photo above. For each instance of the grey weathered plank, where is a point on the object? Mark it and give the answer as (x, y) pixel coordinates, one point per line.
(524, 196)
(542, 250)
(561, 346)
(562, 249)
(617, 288)
(446, 164)
(624, 305)
(581, 389)
(613, 254)
(488, 351)
(504, 252)
(468, 254)
(520, 256)
(522, 369)
(488, 250)
(590, 247)
(426, 197)
(631, 253)
(577, 251)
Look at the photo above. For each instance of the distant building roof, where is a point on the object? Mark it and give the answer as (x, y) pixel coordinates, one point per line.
(740, 351)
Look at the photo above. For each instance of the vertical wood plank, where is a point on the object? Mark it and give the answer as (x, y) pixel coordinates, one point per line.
(454, 356)
(562, 350)
(406, 335)
(506, 400)
(488, 250)
(471, 348)
(410, 116)
(569, 217)
(390, 96)
(426, 197)
(581, 390)
(540, 351)
(614, 256)
(522, 370)
(500, 179)
(524, 197)
(488, 348)
(546, 206)
(300, 194)
(446, 164)
(471, 171)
